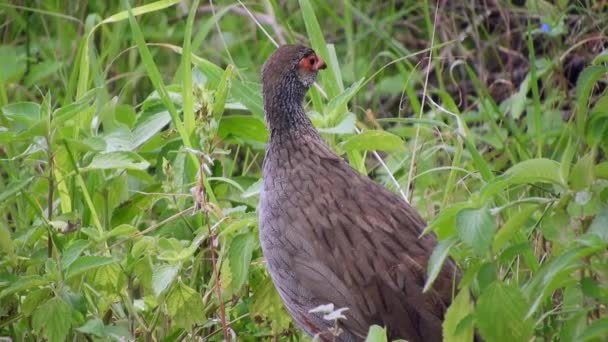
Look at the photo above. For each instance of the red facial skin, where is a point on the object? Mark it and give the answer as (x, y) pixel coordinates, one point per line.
(312, 63)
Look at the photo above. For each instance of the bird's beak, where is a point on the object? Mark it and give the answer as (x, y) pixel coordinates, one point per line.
(320, 65)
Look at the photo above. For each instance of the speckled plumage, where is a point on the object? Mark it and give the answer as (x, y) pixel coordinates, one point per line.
(332, 235)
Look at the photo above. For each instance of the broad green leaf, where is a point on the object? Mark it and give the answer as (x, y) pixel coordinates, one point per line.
(12, 66)
(596, 331)
(374, 140)
(435, 264)
(529, 171)
(163, 277)
(33, 299)
(72, 252)
(109, 278)
(24, 283)
(476, 228)
(243, 126)
(87, 263)
(503, 301)
(185, 306)
(444, 224)
(460, 308)
(376, 334)
(117, 160)
(24, 114)
(599, 225)
(239, 257)
(512, 226)
(146, 128)
(267, 303)
(53, 320)
(582, 173)
(552, 275)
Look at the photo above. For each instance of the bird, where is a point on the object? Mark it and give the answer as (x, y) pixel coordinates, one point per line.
(330, 235)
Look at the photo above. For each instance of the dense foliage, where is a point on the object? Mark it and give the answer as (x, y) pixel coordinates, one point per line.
(131, 145)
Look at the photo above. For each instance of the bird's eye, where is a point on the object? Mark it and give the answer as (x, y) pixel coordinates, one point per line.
(312, 60)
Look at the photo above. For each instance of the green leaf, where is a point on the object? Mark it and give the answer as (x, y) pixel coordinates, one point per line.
(12, 66)
(582, 173)
(33, 299)
(435, 264)
(239, 256)
(24, 283)
(529, 171)
(346, 126)
(512, 226)
(506, 302)
(374, 140)
(599, 225)
(584, 85)
(73, 252)
(267, 303)
(376, 334)
(596, 331)
(460, 308)
(146, 128)
(552, 275)
(87, 263)
(117, 160)
(243, 126)
(339, 102)
(476, 228)
(53, 320)
(185, 306)
(163, 277)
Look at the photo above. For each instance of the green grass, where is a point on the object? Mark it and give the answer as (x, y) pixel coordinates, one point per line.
(120, 120)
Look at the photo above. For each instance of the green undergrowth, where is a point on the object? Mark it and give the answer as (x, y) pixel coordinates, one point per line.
(132, 139)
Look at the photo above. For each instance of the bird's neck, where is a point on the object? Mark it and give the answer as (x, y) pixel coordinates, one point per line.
(285, 114)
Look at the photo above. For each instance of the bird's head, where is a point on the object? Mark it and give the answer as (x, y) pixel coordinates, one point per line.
(291, 68)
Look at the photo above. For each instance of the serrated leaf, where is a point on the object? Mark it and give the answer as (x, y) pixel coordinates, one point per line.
(53, 320)
(460, 308)
(507, 302)
(117, 160)
(267, 303)
(163, 277)
(87, 263)
(185, 306)
(374, 140)
(239, 257)
(33, 300)
(109, 278)
(476, 228)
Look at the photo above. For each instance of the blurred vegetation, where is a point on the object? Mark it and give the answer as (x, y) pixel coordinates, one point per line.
(131, 146)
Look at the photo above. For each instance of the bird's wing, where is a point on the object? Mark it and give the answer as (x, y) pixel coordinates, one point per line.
(367, 254)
